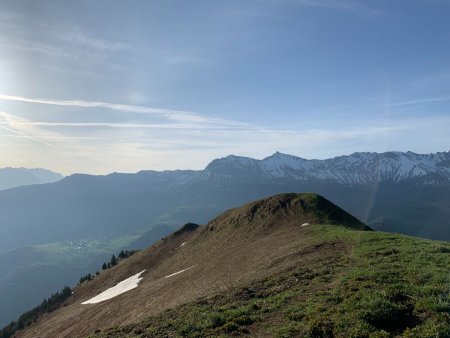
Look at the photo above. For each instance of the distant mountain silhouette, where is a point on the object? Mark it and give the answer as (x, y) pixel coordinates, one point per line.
(16, 177)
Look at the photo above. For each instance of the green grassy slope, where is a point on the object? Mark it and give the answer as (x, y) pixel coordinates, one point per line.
(365, 284)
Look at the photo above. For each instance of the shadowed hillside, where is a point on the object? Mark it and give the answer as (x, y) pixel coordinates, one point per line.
(289, 265)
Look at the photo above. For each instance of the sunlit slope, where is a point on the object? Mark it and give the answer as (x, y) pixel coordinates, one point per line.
(289, 265)
(343, 283)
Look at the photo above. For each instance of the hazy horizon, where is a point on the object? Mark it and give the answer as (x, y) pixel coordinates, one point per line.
(202, 167)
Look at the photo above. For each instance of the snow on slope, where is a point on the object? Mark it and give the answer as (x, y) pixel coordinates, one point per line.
(181, 271)
(357, 168)
(122, 287)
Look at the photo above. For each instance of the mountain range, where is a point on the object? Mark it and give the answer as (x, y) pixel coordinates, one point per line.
(290, 265)
(353, 170)
(402, 192)
(76, 223)
(15, 177)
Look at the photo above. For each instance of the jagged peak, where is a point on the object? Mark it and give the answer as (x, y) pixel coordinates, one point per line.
(234, 158)
(278, 155)
(230, 160)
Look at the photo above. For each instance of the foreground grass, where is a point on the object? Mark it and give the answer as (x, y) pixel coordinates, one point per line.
(384, 285)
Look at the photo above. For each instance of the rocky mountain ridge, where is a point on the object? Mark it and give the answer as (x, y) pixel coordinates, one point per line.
(354, 169)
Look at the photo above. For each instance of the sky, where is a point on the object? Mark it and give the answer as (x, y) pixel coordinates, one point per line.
(106, 86)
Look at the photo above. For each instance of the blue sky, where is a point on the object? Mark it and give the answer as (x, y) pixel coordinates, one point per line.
(103, 86)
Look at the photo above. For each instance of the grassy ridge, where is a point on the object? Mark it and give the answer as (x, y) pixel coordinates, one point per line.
(381, 285)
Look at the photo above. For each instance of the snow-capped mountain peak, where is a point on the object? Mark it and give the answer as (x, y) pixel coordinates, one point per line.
(357, 168)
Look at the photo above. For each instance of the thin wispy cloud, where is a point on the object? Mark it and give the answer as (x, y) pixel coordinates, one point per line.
(173, 115)
(421, 101)
(85, 40)
(313, 133)
(22, 125)
(12, 124)
(36, 47)
(130, 125)
(24, 128)
(62, 33)
(358, 7)
(20, 134)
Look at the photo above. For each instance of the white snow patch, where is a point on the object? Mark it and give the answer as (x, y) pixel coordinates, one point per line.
(304, 224)
(122, 287)
(182, 244)
(181, 271)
